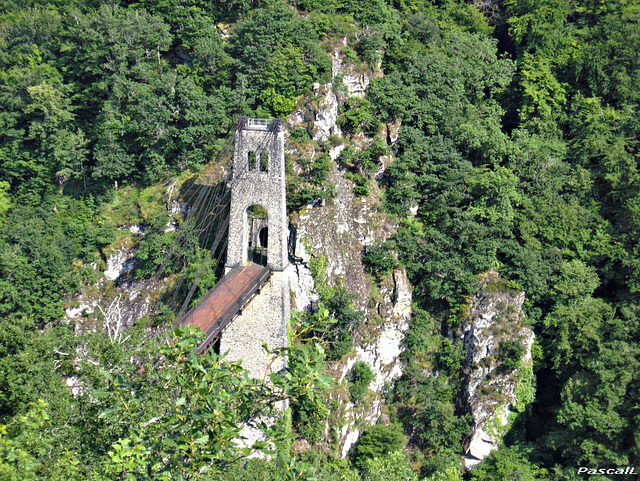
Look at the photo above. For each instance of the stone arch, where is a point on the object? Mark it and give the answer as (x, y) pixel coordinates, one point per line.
(257, 223)
(264, 319)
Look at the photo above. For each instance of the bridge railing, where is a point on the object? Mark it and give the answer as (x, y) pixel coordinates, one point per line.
(259, 122)
(231, 312)
(272, 125)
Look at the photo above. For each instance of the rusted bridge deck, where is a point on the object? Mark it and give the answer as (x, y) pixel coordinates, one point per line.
(225, 301)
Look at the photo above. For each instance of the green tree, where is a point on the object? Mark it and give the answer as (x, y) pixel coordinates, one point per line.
(5, 200)
(542, 26)
(379, 441)
(275, 48)
(448, 474)
(194, 429)
(507, 463)
(543, 97)
(310, 416)
(361, 377)
(378, 260)
(392, 467)
(575, 331)
(23, 449)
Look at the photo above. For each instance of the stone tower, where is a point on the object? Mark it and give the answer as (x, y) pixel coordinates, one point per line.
(259, 182)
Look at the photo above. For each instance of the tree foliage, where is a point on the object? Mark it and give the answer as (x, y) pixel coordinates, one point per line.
(517, 152)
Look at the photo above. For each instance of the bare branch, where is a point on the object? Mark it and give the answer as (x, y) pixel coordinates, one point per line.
(114, 321)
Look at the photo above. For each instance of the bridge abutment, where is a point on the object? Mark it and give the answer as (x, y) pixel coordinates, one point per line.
(263, 320)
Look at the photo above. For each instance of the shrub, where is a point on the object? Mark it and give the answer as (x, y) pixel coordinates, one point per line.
(279, 105)
(321, 168)
(361, 377)
(510, 354)
(309, 418)
(392, 467)
(358, 116)
(378, 259)
(450, 356)
(299, 195)
(361, 183)
(300, 134)
(340, 304)
(508, 463)
(312, 184)
(361, 190)
(325, 466)
(378, 441)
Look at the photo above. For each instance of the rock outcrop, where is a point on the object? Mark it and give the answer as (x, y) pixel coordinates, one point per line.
(120, 262)
(500, 381)
(355, 81)
(325, 121)
(338, 230)
(381, 353)
(135, 297)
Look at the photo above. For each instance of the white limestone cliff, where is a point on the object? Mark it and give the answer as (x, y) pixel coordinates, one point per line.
(494, 392)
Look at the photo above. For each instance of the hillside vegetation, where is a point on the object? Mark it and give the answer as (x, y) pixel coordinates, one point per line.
(517, 153)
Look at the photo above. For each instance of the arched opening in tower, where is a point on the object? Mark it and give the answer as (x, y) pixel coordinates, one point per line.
(258, 238)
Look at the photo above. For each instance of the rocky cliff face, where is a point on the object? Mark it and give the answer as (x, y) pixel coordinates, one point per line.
(338, 230)
(500, 380)
(381, 352)
(117, 294)
(378, 343)
(325, 118)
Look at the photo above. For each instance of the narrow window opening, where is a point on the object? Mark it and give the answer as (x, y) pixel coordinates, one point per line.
(252, 160)
(263, 237)
(264, 162)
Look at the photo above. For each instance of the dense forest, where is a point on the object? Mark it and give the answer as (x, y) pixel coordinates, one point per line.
(517, 152)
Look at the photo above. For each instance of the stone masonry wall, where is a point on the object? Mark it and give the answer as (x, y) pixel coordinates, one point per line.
(264, 320)
(257, 187)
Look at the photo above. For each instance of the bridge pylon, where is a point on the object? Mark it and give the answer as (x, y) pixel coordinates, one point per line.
(258, 232)
(258, 189)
